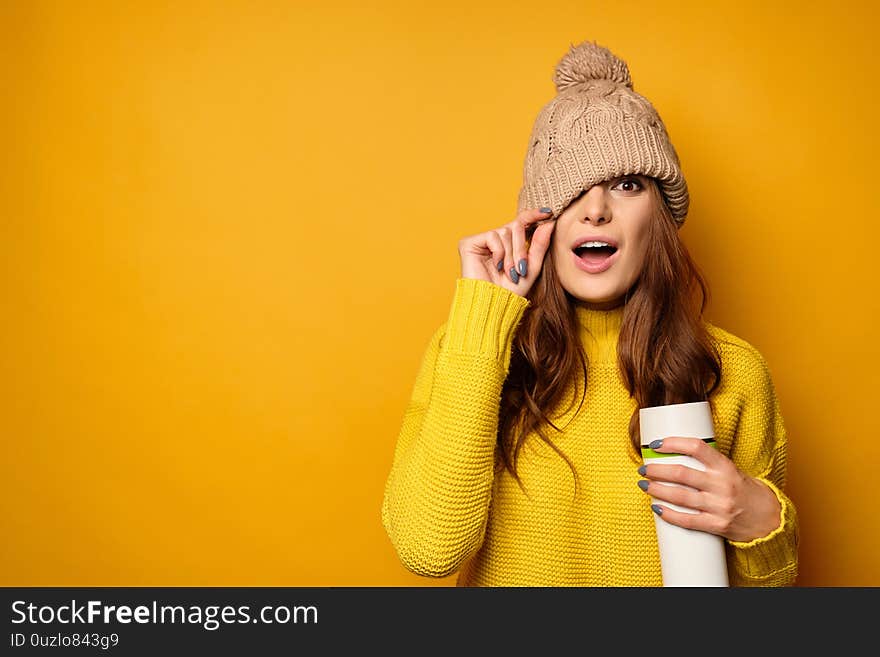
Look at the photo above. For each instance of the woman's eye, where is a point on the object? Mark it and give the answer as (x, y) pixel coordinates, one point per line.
(630, 181)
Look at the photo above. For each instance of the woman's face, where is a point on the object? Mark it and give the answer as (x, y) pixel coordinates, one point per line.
(617, 211)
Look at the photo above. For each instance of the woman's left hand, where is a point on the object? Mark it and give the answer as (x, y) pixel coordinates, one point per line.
(728, 502)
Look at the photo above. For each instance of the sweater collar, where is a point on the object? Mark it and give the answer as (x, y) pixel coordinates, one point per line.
(599, 331)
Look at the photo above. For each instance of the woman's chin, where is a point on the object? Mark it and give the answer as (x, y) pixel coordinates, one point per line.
(602, 304)
(598, 299)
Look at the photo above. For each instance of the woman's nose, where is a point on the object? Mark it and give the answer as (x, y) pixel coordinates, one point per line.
(593, 206)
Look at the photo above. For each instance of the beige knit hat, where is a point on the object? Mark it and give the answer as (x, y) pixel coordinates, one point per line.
(597, 128)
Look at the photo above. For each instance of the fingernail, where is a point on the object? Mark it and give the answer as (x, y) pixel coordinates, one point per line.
(657, 444)
(643, 470)
(546, 210)
(643, 484)
(513, 275)
(500, 265)
(522, 267)
(656, 509)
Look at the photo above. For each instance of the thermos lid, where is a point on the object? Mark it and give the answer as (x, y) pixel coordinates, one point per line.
(692, 420)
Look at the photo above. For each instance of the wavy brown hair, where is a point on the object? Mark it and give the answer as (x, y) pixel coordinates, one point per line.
(664, 351)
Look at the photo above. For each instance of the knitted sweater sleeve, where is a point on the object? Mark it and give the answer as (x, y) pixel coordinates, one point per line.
(759, 449)
(437, 495)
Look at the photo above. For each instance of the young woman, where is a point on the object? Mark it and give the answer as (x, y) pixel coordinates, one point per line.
(518, 461)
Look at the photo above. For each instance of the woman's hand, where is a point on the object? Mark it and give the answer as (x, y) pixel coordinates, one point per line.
(728, 502)
(505, 256)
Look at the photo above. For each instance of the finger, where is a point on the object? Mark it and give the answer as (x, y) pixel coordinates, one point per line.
(496, 247)
(678, 495)
(539, 244)
(531, 219)
(679, 474)
(532, 215)
(701, 521)
(518, 238)
(699, 448)
(504, 233)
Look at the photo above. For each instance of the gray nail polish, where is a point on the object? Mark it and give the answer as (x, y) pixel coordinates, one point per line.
(643, 470)
(514, 276)
(546, 209)
(657, 444)
(643, 484)
(500, 265)
(656, 509)
(521, 266)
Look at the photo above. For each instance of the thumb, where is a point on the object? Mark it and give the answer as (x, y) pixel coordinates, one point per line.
(540, 243)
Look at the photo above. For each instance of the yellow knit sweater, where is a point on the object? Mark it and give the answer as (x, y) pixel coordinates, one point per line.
(445, 511)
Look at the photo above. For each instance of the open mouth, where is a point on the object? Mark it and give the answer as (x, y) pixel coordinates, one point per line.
(595, 255)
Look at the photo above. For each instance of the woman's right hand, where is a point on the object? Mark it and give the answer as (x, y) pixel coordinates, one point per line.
(520, 259)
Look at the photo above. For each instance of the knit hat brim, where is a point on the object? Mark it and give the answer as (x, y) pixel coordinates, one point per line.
(609, 152)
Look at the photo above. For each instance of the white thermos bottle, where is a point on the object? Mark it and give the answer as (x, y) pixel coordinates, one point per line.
(687, 557)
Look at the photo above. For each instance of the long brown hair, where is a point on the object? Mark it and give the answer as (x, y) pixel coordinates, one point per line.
(664, 352)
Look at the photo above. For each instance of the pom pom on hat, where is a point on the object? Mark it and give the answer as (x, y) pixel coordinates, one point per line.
(590, 61)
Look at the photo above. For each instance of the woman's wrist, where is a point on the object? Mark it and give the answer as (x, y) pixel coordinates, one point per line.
(769, 511)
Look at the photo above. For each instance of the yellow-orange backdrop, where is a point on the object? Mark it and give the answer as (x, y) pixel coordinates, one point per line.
(229, 230)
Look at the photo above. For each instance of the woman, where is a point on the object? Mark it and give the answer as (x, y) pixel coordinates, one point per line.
(518, 461)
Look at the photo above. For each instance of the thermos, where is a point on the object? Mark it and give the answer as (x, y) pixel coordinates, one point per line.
(687, 557)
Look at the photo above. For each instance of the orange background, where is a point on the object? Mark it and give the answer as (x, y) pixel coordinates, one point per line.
(229, 229)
